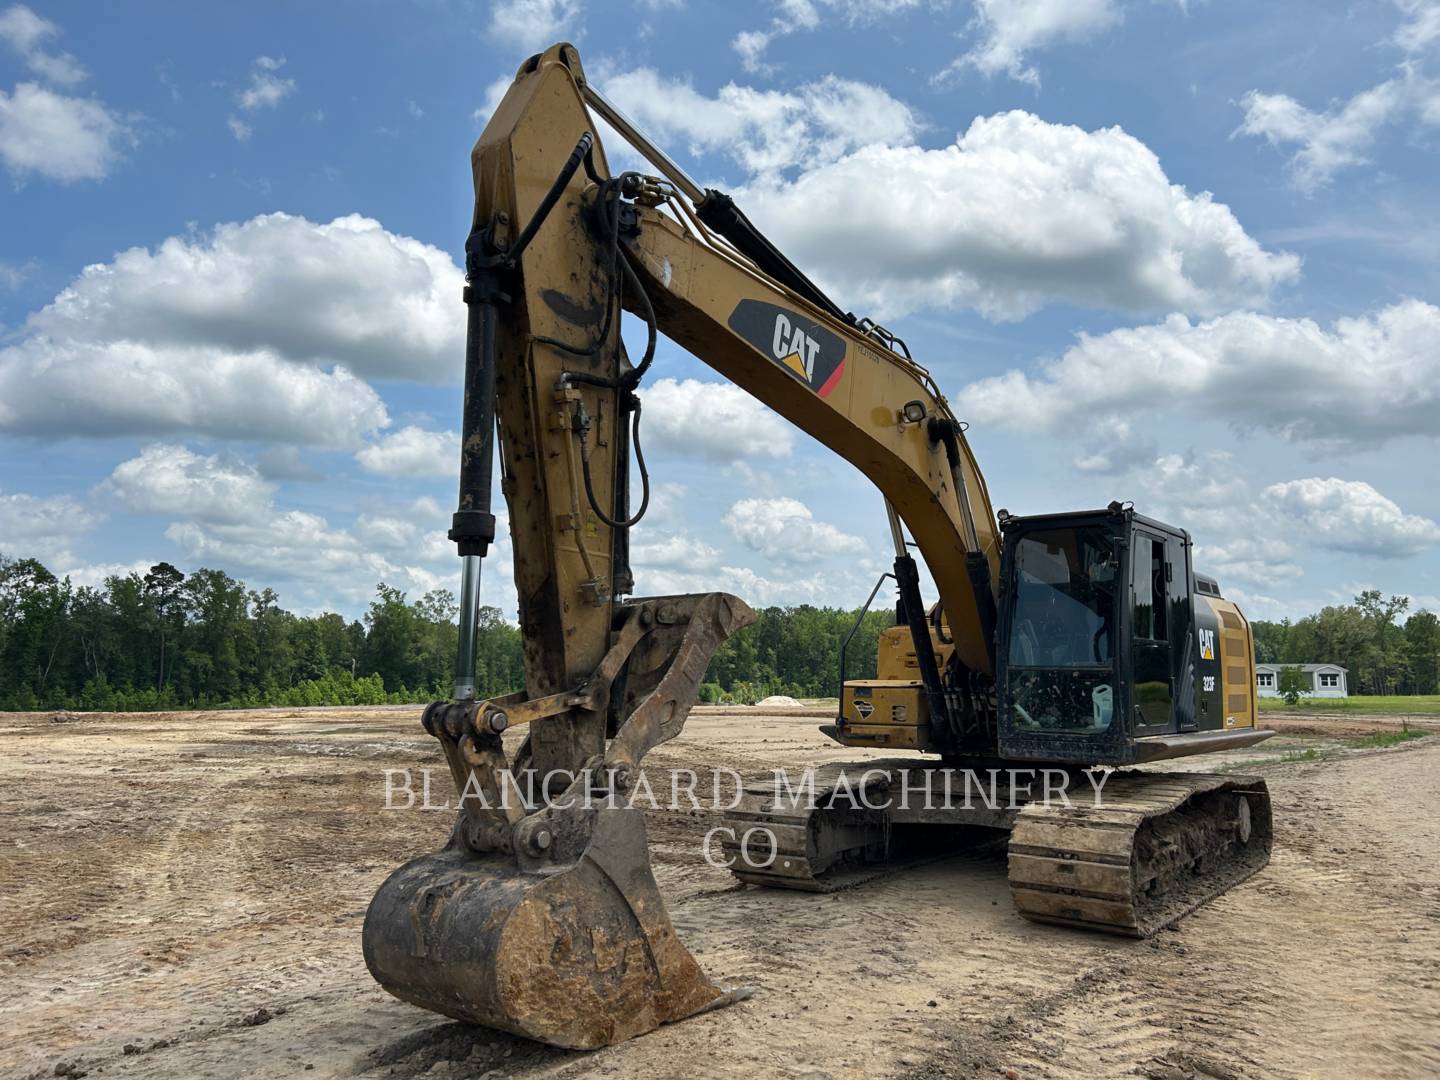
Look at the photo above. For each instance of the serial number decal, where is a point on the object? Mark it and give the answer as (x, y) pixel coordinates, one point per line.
(809, 351)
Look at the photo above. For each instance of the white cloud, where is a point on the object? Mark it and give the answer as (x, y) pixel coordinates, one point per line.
(718, 421)
(1340, 136)
(1421, 27)
(784, 529)
(24, 31)
(347, 292)
(666, 502)
(413, 451)
(42, 526)
(793, 16)
(821, 588)
(11, 275)
(94, 575)
(253, 331)
(416, 531)
(1198, 482)
(494, 94)
(129, 388)
(1203, 492)
(1364, 381)
(1257, 560)
(172, 479)
(674, 551)
(61, 137)
(266, 89)
(1010, 29)
(1015, 214)
(1257, 605)
(763, 130)
(293, 545)
(533, 24)
(1352, 517)
(1112, 445)
(328, 565)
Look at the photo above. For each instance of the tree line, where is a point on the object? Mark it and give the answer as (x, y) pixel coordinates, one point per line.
(165, 640)
(169, 640)
(1384, 650)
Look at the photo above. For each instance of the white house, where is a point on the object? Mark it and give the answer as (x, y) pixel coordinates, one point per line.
(1323, 680)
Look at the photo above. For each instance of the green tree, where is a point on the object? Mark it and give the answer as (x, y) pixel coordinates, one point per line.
(394, 646)
(219, 635)
(34, 607)
(1384, 657)
(1422, 653)
(1270, 640)
(164, 590)
(1293, 682)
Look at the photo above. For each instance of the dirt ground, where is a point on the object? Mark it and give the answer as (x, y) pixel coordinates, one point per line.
(181, 895)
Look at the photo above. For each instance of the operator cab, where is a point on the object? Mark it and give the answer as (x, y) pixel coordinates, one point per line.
(1096, 635)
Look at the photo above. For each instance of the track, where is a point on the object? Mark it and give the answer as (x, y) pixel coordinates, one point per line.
(1156, 848)
(1153, 849)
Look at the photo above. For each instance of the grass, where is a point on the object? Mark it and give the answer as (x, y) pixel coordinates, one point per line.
(1390, 705)
(1378, 741)
(1259, 763)
(1385, 738)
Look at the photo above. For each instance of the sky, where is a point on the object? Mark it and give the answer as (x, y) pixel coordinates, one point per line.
(1179, 252)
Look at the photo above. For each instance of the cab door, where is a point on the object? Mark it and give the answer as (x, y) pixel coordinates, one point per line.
(1152, 685)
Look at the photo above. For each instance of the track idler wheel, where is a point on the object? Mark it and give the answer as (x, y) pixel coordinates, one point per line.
(579, 956)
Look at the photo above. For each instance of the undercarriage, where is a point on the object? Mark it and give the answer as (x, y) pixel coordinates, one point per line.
(1123, 852)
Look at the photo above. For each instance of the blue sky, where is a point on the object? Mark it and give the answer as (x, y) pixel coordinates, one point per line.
(1180, 253)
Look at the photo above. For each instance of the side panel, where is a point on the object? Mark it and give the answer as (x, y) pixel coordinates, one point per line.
(1209, 696)
(1237, 665)
(881, 712)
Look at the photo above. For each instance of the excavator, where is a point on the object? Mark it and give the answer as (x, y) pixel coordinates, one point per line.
(1077, 644)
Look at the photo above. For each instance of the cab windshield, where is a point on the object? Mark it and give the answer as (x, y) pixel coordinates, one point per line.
(1062, 637)
(1064, 599)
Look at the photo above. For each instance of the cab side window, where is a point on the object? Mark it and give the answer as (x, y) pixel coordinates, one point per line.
(1152, 616)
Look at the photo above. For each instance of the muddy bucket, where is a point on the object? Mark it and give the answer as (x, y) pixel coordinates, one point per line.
(579, 956)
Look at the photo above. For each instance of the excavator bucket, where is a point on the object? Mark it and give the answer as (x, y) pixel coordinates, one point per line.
(542, 917)
(581, 958)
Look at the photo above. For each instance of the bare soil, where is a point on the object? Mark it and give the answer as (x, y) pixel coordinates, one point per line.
(181, 896)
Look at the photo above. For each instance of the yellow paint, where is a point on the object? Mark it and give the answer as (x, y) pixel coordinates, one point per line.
(1237, 664)
(885, 712)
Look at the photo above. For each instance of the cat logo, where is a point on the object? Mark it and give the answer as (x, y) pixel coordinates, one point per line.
(793, 347)
(1207, 644)
(805, 348)
(864, 708)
